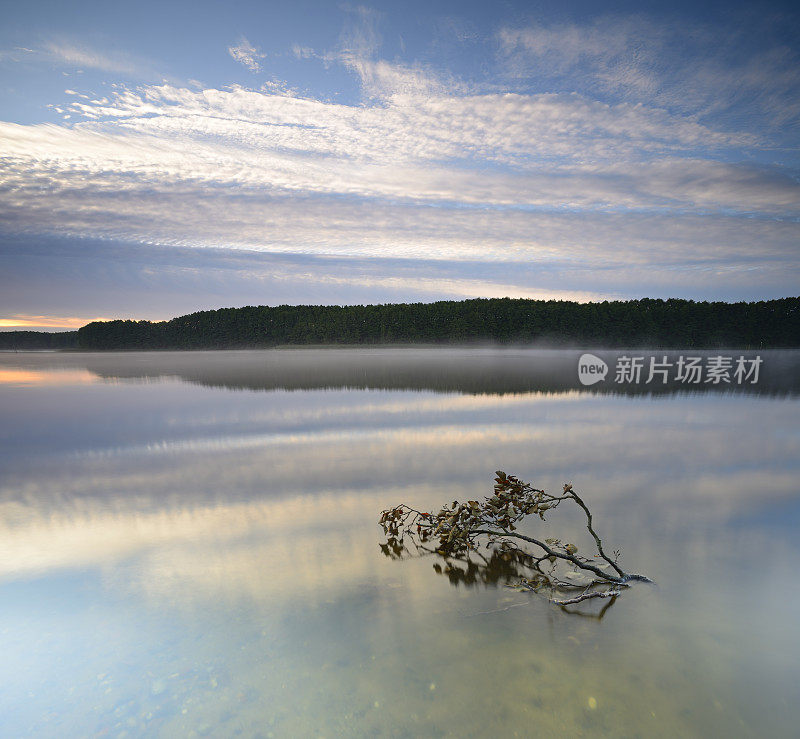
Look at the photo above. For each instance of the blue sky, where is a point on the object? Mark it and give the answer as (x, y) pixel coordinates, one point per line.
(161, 158)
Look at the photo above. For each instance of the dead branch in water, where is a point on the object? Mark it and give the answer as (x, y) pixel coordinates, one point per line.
(453, 535)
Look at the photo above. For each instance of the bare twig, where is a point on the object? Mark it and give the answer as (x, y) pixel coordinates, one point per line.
(569, 491)
(586, 596)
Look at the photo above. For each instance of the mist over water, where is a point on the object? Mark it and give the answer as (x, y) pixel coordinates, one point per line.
(475, 370)
(188, 546)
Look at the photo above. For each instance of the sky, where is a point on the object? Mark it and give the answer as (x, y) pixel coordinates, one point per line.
(158, 158)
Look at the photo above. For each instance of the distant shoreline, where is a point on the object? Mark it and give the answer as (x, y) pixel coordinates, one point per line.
(501, 322)
(412, 347)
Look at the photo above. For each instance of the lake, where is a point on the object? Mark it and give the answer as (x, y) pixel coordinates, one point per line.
(189, 546)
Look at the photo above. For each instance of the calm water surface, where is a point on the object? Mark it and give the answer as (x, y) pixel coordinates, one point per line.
(189, 547)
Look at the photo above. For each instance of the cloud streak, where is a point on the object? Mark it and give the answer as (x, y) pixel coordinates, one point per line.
(685, 66)
(84, 57)
(247, 55)
(68, 53)
(509, 150)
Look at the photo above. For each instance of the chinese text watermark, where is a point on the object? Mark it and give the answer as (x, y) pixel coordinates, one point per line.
(687, 370)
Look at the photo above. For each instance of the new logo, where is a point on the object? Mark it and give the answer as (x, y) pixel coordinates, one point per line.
(591, 369)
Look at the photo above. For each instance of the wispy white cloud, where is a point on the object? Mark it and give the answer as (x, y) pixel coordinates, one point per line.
(383, 80)
(360, 36)
(496, 150)
(302, 52)
(426, 122)
(247, 54)
(83, 57)
(636, 247)
(358, 51)
(686, 66)
(77, 56)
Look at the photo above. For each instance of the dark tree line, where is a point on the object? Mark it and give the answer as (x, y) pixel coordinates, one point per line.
(38, 340)
(647, 322)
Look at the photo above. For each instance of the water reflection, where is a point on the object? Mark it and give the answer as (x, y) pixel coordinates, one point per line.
(176, 557)
(443, 370)
(50, 376)
(509, 567)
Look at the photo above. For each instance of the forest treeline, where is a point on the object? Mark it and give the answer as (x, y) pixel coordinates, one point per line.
(38, 340)
(653, 323)
(647, 322)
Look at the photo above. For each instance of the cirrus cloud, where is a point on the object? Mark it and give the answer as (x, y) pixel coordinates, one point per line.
(246, 54)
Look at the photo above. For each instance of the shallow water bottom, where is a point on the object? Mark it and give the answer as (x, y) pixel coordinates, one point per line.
(181, 559)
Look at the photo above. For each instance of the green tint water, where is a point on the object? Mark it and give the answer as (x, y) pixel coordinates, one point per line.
(189, 547)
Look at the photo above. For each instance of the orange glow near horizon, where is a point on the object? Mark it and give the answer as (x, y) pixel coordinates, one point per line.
(52, 377)
(27, 322)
